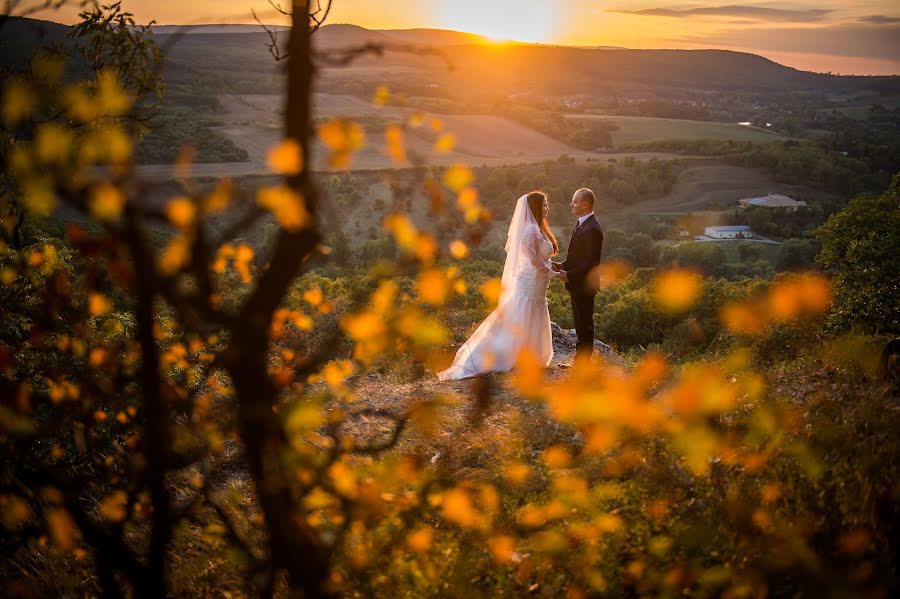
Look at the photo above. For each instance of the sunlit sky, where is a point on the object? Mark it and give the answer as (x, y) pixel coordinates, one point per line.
(841, 36)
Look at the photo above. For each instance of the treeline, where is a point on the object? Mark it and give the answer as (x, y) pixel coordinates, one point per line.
(584, 134)
(186, 118)
(624, 181)
(812, 163)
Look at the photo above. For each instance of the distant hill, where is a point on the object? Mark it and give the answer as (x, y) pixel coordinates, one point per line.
(19, 37)
(212, 28)
(433, 37)
(236, 58)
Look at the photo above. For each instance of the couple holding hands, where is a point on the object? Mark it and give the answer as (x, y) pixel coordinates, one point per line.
(521, 320)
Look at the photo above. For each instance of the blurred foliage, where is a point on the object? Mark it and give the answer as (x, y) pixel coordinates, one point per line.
(193, 405)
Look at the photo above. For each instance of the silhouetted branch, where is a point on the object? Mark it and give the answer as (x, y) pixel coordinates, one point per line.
(400, 422)
(274, 50)
(314, 15)
(155, 412)
(344, 56)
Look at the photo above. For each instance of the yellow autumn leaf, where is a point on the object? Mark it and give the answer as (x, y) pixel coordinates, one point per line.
(14, 511)
(344, 479)
(114, 507)
(243, 256)
(285, 158)
(458, 249)
(38, 197)
(420, 540)
(184, 161)
(219, 198)
(742, 319)
(609, 274)
(501, 548)
(403, 230)
(364, 326)
(288, 207)
(491, 292)
(382, 96)
(98, 304)
(425, 248)
(467, 199)
(457, 507)
(106, 202)
(335, 373)
(342, 137)
(174, 256)
(78, 103)
(313, 296)
(457, 177)
(18, 102)
(529, 373)
(181, 212)
(62, 528)
(557, 456)
(676, 290)
(112, 99)
(432, 287)
(396, 146)
(445, 143)
(416, 120)
(53, 143)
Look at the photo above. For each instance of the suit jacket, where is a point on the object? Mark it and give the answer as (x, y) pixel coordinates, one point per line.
(584, 252)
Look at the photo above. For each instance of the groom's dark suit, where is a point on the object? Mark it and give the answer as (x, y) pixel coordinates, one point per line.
(583, 256)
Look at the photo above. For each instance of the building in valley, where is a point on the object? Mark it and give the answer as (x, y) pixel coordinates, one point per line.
(773, 200)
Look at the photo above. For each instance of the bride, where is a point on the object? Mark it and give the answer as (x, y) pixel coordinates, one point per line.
(521, 321)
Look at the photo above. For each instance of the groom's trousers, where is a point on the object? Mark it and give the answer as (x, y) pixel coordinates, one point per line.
(583, 313)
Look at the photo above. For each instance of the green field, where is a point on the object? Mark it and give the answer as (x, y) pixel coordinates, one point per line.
(640, 129)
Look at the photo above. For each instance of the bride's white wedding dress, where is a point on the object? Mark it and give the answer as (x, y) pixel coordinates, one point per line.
(521, 321)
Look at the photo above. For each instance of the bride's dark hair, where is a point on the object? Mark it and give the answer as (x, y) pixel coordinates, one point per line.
(536, 205)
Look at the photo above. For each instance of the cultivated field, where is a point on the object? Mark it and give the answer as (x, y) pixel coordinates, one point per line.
(640, 129)
(253, 123)
(709, 184)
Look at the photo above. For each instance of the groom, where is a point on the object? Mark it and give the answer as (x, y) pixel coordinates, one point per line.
(583, 256)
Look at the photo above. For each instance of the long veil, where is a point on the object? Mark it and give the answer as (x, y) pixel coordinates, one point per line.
(519, 321)
(515, 248)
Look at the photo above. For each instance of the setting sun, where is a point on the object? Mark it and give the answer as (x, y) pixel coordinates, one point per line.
(519, 20)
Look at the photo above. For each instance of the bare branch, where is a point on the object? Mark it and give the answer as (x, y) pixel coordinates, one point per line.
(274, 50)
(344, 56)
(400, 422)
(319, 20)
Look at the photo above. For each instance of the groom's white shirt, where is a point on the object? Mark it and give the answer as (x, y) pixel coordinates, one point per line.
(584, 218)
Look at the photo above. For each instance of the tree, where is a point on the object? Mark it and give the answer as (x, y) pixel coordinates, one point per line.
(108, 45)
(759, 219)
(861, 247)
(749, 251)
(794, 254)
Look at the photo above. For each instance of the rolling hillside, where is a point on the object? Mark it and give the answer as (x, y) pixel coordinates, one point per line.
(216, 59)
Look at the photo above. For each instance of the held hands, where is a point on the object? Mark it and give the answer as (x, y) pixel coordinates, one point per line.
(559, 273)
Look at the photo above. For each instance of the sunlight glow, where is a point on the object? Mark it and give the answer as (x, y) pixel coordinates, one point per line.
(519, 20)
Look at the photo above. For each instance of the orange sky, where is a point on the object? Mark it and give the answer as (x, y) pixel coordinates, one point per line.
(841, 36)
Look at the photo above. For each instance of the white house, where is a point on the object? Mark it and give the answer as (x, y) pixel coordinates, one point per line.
(773, 200)
(730, 232)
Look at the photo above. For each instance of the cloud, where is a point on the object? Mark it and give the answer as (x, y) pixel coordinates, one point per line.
(736, 11)
(864, 41)
(880, 20)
